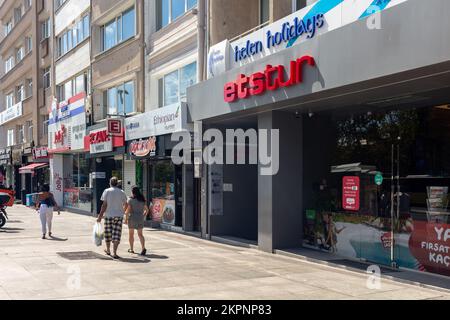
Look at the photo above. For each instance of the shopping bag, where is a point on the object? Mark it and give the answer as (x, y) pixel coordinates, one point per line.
(98, 234)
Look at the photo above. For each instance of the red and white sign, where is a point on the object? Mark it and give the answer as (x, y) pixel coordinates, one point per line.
(351, 193)
(271, 79)
(430, 245)
(144, 147)
(40, 153)
(100, 141)
(115, 127)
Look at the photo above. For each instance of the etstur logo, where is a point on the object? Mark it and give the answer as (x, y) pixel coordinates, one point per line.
(271, 79)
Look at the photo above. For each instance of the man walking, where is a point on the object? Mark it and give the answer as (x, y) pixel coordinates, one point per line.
(113, 208)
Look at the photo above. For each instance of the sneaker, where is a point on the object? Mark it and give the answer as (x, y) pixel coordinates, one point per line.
(43, 237)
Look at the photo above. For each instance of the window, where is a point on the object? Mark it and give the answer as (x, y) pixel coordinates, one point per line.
(264, 11)
(29, 134)
(73, 36)
(21, 134)
(299, 4)
(27, 4)
(8, 27)
(47, 78)
(120, 99)
(72, 87)
(175, 84)
(10, 141)
(80, 84)
(20, 93)
(118, 30)
(20, 54)
(28, 44)
(9, 100)
(9, 64)
(44, 130)
(29, 87)
(170, 10)
(46, 29)
(17, 14)
(59, 3)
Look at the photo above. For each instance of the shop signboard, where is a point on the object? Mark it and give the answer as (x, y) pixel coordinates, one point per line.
(115, 127)
(12, 113)
(40, 153)
(100, 141)
(304, 25)
(67, 125)
(5, 157)
(351, 193)
(143, 147)
(162, 121)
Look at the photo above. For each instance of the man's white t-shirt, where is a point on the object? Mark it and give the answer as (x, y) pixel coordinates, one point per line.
(115, 199)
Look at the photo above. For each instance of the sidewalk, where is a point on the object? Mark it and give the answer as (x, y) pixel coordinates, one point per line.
(177, 267)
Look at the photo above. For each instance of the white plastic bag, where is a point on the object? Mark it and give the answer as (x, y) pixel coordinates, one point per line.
(98, 234)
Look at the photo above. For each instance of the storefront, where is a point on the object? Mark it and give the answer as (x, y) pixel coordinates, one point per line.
(363, 167)
(149, 145)
(5, 167)
(69, 165)
(106, 151)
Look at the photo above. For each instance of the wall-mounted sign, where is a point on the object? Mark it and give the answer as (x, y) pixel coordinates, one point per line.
(165, 120)
(5, 156)
(12, 113)
(100, 141)
(115, 127)
(143, 147)
(318, 18)
(40, 153)
(272, 78)
(379, 179)
(98, 175)
(67, 125)
(351, 193)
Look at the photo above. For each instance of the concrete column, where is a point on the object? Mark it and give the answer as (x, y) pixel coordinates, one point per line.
(280, 196)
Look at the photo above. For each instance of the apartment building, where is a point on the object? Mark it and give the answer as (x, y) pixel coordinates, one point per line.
(69, 114)
(117, 55)
(24, 78)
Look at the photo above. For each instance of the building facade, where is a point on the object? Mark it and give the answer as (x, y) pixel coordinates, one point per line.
(359, 99)
(117, 88)
(70, 101)
(25, 79)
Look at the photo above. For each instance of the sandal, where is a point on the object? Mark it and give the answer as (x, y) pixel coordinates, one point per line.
(107, 253)
(144, 252)
(116, 257)
(131, 251)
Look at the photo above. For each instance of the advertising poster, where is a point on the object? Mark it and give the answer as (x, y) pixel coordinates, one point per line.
(351, 193)
(163, 211)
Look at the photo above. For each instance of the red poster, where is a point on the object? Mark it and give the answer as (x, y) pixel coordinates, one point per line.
(350, 193)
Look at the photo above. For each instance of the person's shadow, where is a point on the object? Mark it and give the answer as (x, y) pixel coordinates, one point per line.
(155, 256)
(129, 260)
(11, 230)
(53, 238)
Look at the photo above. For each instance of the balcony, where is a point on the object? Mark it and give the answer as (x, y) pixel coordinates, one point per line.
(19, 30)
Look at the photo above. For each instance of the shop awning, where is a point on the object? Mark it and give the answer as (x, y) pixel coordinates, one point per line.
(30, 168)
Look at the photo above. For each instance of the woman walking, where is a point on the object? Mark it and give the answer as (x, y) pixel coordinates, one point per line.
(135, 217)
(45, 205)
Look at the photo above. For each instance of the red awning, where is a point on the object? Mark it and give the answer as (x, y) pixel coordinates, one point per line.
(31, 167)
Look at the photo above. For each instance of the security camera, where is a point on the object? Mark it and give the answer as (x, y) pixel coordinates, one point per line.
(297, 114)
(310, 114)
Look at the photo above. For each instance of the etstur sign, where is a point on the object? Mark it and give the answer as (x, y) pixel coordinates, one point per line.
(271, 79)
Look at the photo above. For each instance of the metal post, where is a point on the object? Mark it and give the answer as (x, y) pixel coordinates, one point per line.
(392, 205)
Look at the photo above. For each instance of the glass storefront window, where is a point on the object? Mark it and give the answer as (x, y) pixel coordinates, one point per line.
(171, 88)
(162, 192)
(368, 175)
(77, 191)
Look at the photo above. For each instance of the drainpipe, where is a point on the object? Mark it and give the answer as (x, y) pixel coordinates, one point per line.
(201, 40)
